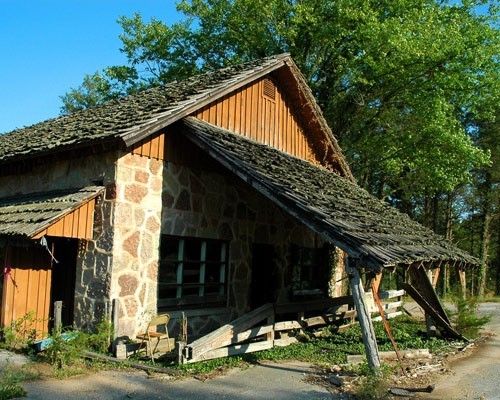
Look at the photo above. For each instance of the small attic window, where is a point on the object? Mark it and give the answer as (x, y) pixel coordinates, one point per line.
(269, 89)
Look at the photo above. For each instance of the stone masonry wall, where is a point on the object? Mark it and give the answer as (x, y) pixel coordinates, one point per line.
(136, 240)
(216, 205)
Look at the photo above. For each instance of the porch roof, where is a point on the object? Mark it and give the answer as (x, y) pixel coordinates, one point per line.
(64, 213)
(335, 208)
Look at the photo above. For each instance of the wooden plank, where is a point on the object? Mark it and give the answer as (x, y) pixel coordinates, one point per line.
(428, 308)
(90, 220)
(390, 294)
(421, 282)
(287, 325)
(252, 333)
(391, 355)
(388, 316)
(82, 221)
(313, 305)
(285, 341)
(367, 330)
(143, 367)
(233, 350)
(224, 335)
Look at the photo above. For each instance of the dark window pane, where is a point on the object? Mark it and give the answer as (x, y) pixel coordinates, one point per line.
(168, 272)
(169, 248)
(213, 251)
(192, 249)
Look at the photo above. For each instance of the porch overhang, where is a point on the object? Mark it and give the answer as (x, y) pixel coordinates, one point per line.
(64, 213)
(338, 210)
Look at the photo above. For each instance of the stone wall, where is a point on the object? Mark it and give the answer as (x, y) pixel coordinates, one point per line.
(136, 240)
(210, 203)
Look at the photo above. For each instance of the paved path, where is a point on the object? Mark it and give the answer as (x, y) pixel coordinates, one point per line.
(280, 381)
(477, 376)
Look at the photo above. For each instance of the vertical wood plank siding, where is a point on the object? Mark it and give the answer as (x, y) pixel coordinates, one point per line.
(78, 224)
(250, 113)
(27, 289)
(152, 147)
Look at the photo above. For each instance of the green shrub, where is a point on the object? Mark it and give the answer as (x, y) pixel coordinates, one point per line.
(21, 333)
(465, 318)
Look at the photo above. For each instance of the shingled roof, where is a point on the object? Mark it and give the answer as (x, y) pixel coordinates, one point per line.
(337, 209)
(27, 215)
(133, 118)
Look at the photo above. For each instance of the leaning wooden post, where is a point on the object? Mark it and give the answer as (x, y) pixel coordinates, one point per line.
(358, 294)
(57, 315)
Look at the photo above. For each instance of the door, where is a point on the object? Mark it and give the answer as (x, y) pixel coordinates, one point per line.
(263, 288)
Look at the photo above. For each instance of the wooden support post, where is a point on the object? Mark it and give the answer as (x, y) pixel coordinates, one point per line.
(270, 321)
(115, 312)
(364, 317)
(57, 315)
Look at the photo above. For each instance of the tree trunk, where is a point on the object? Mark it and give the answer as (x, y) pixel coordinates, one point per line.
(485, 251)
(497, 286)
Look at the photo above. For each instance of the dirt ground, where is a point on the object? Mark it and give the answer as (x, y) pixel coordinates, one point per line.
(473, 374)
(476, 376)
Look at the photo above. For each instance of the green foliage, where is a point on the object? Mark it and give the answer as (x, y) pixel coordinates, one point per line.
(10, 379)
(400, 82)
(373, 385)
(465, 319)
(21, 333)
(64, 351)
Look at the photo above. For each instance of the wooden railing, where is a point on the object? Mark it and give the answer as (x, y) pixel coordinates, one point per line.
(260, 328)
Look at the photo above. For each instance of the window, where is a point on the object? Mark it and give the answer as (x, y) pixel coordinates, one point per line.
(192, 271)
(310, 271)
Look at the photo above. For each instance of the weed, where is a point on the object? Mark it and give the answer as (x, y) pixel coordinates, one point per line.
(21, 333)
(10, 379)
(373, 384)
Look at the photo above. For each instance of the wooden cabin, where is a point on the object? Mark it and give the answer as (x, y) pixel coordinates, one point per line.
(208, 197)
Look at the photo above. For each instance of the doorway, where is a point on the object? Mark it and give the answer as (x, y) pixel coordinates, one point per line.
(64, 277)
(263, 275)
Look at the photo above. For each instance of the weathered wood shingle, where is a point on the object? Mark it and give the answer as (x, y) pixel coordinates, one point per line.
(337, 209)
(133, 117)
(29, 214)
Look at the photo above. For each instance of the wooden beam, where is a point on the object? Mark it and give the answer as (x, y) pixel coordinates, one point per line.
(421, 282)
(428, 308)
(233, 350)
(367, 330)
(227, 334)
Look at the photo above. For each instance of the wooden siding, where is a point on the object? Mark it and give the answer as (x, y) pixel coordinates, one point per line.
(252, 112)
(152, 147)
(78, 224)
(27, 289)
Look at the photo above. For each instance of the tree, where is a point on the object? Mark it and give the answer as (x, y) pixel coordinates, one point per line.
(397, 79)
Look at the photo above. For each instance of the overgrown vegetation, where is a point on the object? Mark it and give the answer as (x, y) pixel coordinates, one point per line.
(466, 319)
(21, 333)
(10, 379)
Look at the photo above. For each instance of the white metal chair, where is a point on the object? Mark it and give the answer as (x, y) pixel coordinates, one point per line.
(152, 333)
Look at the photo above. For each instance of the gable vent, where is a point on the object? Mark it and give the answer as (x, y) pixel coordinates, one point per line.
(269, 89)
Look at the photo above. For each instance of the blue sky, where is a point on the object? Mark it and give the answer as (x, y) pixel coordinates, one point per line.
(47, 46)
